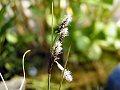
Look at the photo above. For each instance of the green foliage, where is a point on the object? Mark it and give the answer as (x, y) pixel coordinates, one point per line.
(2, 11)
(108, 1)
(6, 25)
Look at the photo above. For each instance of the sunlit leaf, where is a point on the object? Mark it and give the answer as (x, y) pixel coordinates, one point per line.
(111, 30)
(94, 52)
(82, 43)
(92, 2)
(49, 20)
(117, 44)
(99, 26)
(11, 37)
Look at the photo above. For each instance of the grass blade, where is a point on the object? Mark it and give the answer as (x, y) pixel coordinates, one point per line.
(65, 66)
(49, 74)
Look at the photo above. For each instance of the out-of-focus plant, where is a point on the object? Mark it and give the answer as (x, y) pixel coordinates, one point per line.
(11, 40)
(95, 29)
(5, 36)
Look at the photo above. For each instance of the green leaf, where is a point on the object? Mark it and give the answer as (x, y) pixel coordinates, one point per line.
(94, 52)
(7, 25)
(111, 30)
(117, 44)
(108, 1)
(92, 2)
(49, 20)
(83, 43)
(2, 12)
(99, 26)
(11, 37)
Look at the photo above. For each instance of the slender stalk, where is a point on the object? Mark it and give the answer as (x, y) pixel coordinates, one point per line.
(3, 81)
(52, 26)
(65, 66)
(49, 77)
(50, 63)
(23, 68)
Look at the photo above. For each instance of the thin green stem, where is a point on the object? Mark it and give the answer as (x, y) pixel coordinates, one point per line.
(65, 66)
(52, 26)
(49, 77)
(49, 74)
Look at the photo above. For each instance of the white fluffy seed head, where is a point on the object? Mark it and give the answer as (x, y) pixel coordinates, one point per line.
(67, 75)
(58, 44)
(57, 48)
(64, 32)
(67, 19)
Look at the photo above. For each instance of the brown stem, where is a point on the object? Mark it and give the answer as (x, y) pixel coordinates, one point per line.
(50, 66)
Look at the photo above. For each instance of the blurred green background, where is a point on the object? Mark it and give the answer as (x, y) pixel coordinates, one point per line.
(94, 35)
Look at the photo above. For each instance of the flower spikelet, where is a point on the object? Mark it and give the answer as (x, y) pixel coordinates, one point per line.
(66, 21)
(67, 73)
(56, 50)
(57, 47)
(64, 32)
(64, 27)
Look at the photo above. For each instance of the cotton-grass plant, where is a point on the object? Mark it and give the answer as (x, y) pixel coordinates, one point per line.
(21, 87)
(57, 49)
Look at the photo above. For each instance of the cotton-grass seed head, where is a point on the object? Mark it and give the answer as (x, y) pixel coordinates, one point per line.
(66, 21)
(67, 74)
(57, 48)
(64, 32)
